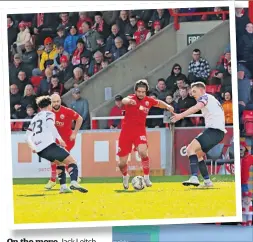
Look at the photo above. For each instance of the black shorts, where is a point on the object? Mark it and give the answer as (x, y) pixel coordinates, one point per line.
(54, 153)
(210, 138)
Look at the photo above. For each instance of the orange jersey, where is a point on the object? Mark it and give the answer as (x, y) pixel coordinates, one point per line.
(64, 118)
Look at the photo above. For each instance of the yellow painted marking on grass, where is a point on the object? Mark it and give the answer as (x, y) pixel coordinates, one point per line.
(32, 204)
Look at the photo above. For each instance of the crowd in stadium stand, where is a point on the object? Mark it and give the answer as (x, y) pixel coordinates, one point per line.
(55, 52)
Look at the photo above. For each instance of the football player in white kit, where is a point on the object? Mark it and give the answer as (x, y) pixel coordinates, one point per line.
(41, 137)
(213, 134)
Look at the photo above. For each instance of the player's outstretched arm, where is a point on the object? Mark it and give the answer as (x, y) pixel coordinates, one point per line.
(128, 101)
(78, 125)
(164, 105)
(188, 112)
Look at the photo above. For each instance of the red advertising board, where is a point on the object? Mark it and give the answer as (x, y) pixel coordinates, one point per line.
(183, 136)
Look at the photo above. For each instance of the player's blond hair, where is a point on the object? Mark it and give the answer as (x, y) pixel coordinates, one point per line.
(198, 84)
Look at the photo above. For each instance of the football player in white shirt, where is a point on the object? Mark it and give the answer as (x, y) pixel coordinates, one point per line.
(213, 134)
(41, 137)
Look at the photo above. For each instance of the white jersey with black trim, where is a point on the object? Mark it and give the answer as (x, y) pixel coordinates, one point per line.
(213, 112)
(40, 130)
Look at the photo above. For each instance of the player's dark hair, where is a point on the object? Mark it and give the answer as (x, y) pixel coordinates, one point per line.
(141, 83)
(199, 85)
(43, 101)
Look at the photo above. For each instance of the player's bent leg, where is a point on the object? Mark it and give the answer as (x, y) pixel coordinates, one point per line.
(69, 147)
(73, 173)
(203, 170)
(62, 179)
(124, 170)
(191, 151)
(143, 153)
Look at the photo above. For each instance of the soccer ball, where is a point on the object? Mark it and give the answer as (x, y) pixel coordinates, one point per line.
(138, 183)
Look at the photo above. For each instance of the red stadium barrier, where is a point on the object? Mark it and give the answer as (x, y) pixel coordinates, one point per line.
(177, 15)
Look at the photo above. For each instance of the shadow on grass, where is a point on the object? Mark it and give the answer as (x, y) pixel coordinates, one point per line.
(126, 191)
(35, 195)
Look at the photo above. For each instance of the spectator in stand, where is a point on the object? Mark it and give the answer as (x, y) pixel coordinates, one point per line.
(170, 101)
(71, 40)
(160, 90)
(226, 83)
(132, 44)
(60, 38)
(123, 21)
(57, 58)
(12, 33)
(21, 81)
(30, 115)
(245, 48)
(44, 26)
(83, 17)
(110, 42)
(95, 65)
(216, 16)
(162, 16)
(110, 17)
(75, 81)
(190, 18)
(15, 98)
(244, 88)
(22, 37)
(29, 98)
(154, 122)
(223, 63)
(228, 108)
(56, 86)
(15, 67)
(199, 68)
(176, 73)
(65, 69)
(119, 50)
(173, 11)
(90, 37)
(142, 33)
(66, 22)
(156, 27)
(143, 14)
(180, 85)
(242, 19)
(131, 27)
(47, 56)
(101, 45)
(184, 103)
(81, 106)
(29, 59)
(116, 110)
(104, 64)
(79, 52)
(44, 86)
(100, 25)
(85, 63)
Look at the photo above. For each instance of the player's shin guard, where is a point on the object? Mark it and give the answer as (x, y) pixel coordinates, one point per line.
(61, 175)
(53, 172)
(194, 164)
(73, 171)
(145, 165)
(203, 170)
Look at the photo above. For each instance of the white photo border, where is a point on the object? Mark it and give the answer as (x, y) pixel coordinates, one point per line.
(34, 7)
